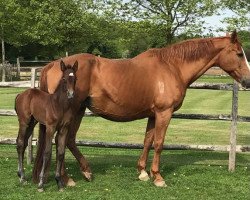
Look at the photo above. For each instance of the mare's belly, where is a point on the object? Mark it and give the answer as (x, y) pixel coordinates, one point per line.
(118, 111)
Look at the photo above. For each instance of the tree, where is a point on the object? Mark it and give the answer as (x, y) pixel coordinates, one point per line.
(241, 18)
(174, 16)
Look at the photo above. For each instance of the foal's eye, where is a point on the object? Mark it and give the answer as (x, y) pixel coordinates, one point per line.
(240, 55)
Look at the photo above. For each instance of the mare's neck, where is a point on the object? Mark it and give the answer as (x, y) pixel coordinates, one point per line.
(192, 70)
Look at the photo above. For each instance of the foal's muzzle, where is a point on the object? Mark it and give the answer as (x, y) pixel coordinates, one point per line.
(70, 94)
(245, 82)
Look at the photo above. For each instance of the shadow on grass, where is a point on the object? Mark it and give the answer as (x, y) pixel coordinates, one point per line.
(103, 160)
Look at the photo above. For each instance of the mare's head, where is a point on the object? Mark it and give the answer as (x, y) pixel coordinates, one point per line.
(232, 59)
(69, 78)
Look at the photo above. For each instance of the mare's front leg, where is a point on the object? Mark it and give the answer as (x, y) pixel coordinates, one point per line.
(46, 156)
(162, 121)
(71, 144)
(60, 153)
(148, 140)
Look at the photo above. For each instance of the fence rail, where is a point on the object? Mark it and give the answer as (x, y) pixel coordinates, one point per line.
(239, 148)
(232, 147)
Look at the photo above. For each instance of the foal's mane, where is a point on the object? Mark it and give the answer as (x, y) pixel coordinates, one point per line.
(188, 50)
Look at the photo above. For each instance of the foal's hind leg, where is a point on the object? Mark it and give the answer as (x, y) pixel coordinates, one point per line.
(148, 140)
(24, 133)
(20, 141)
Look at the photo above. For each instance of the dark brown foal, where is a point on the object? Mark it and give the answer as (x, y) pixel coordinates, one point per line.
(52, 110)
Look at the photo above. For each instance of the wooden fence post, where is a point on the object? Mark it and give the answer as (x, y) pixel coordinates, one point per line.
(30, 148)
(3, 60)
(232, 151)
(18, 67)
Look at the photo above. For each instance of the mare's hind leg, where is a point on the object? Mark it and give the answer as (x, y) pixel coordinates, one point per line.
(148, 140)
(71, 144)
(22, 142)
(46, 156)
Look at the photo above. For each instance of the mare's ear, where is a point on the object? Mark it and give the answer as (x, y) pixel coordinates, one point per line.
(75, 66)
(234, 37)
(63, 66)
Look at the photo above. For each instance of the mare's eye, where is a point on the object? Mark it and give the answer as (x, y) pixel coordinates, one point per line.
(240, 55)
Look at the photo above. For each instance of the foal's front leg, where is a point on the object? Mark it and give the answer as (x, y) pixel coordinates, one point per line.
(46, 156)
(61, 140)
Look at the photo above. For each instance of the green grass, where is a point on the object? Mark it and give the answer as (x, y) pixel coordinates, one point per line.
(189, 175)
(8, 96)
(179, 132)
(215, 79)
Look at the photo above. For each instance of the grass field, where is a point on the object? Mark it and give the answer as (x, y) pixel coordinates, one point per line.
(189, 175)
(180, 131)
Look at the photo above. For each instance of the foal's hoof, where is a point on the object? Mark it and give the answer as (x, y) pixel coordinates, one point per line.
(87, 175)
(144, 176)
(61, 190)
(40, 190)
(160, 183)
(23, 181)
(71, 183)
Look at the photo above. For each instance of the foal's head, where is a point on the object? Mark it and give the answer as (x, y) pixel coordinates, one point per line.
(69, 78)
(233, 60)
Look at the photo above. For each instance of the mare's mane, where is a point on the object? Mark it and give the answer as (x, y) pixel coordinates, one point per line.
(188, 50)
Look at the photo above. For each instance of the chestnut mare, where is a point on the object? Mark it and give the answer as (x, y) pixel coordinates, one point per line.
(52, 110)
(151, 85)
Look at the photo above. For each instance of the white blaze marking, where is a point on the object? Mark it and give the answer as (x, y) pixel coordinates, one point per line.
(161, 87)
(71, 74)
(246, 59)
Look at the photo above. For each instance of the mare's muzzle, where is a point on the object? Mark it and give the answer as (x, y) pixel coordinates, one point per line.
(245, 82)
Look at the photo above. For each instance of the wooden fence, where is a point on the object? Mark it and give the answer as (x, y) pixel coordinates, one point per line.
(232, 147)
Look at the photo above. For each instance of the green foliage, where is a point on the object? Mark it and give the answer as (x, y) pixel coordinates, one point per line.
(117, 28)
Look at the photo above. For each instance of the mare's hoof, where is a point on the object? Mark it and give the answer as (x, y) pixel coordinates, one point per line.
(144, 176)
(88, 176)
(160, 183)
(40, 190)
(71, 183)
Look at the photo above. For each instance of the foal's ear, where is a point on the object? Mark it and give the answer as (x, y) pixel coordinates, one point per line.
(234, 37)
(63, 66)
(75, 66)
